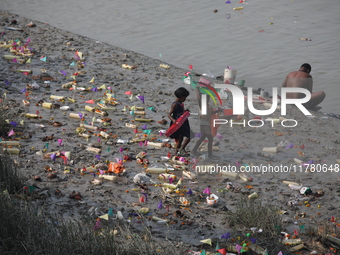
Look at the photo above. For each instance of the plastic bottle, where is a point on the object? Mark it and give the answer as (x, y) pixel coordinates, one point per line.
(74, 115)
(139, 112)
(295, 187)
(32, 115)
(156, 170)
(12, 150)
(143, 120)
(269, 149)
(12, 143)
(104, 134)
(122, 141)
(88, 126)
(157, 145)
(57, 97)
(109, 177)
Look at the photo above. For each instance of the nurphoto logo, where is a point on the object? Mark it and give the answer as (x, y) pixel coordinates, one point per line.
(238, 104)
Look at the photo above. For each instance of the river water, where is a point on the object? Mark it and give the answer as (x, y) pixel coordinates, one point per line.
(261, 41)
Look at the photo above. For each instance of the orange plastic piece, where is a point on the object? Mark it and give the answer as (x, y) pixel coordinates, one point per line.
(115, 168)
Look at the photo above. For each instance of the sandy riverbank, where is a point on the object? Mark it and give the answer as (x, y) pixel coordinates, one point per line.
(312, 140)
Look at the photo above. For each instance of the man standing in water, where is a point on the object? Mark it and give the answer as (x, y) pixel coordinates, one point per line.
(302, 79)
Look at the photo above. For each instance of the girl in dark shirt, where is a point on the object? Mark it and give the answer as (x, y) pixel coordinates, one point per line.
(183, 135)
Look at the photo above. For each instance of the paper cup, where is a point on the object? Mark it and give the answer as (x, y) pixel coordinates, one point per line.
(229, 76)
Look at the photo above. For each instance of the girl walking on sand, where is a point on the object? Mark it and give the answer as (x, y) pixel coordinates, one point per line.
(183, 135)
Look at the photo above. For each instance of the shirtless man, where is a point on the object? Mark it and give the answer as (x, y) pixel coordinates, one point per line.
(302, 79)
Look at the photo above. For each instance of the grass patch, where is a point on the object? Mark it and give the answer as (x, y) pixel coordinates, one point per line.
(26, 230)
(250, 214)
(10, 180)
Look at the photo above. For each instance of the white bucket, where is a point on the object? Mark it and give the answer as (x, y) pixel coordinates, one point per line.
(229, 76)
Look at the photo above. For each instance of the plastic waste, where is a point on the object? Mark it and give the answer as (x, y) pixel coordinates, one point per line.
(212, 199)
(89, 108)
(142, 178)
(269, 149)
(92, 149)
(154, 144)
(159, 220)
(65, 108)
(292, 241)
(297, 247)
(108, 177)
(333, 239)
(189, 174)
(122, 141)
(289, 182)
(253, 196)
(74, 115)
(57, 97)
(32, 115)
(299, 161)
(295, 187)
(209, 74)
(12, 150)
(156, 170)
(15, 143)
(88, 126)
(120, 215)
(305, 191)
(164, 66)
(129, 125)
(47, 105)
(184, 201)
(67, 85)
(165, 177)
(282, 144)
(130, 67)
(143, 120)
(104, 134)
